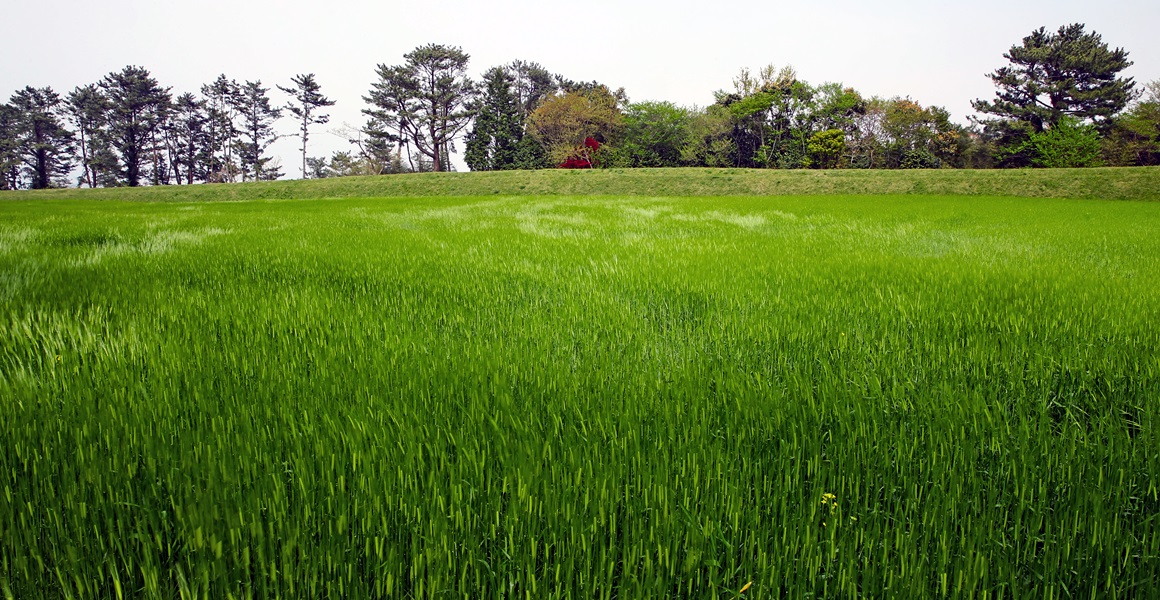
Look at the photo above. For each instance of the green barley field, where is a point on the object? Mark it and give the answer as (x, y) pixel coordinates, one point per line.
(624, 396)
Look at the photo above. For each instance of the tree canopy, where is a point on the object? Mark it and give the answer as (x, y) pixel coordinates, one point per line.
(307, 101)
(1052, 75)
(427, 99)
(1061, 100)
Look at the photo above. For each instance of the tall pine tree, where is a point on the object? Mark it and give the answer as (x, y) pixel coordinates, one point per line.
(428, 98)
(494, 139)
(307, 100)
(137, 108)
(1069, 73)
(186, 139)
(257, 118)
(43, 143)
(9, 145)
(221, 97)
(88, 110)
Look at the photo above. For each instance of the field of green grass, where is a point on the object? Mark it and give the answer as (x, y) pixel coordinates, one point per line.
(569, 396)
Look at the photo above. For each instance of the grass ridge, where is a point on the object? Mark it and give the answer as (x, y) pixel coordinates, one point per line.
(1111, 183)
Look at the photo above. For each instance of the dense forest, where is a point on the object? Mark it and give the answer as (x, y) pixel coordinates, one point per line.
(1060, 101)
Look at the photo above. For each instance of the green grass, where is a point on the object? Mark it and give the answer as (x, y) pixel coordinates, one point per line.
(1137, 183)
(579, 397)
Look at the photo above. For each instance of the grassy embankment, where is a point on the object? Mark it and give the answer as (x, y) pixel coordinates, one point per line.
(1141, 183)
(580, 397)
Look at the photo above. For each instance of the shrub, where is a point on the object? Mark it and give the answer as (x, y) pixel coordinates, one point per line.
(1070, 143)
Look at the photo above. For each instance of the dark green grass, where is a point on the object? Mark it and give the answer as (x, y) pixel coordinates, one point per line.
(1137, 183)
(550, 397)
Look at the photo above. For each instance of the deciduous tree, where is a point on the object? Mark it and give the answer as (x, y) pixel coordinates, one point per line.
(388, 98)
(826, 149)
(710, 140)
(1135, 137)
(1069, 143)
(564, 120)
(654, 134)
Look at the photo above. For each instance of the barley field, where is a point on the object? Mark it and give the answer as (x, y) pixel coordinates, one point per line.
(580, 397)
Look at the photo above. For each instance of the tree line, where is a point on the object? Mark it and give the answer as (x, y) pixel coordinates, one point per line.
(129, 130)
(1060, 102)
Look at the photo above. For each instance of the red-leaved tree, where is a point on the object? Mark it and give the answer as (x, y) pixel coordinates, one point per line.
(583, 157)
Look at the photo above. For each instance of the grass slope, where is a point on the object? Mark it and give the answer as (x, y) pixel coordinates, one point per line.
(1138, 183)
(564, 397)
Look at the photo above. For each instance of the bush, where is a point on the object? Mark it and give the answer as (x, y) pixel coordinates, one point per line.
(919, 158)
(826, 149)
(1068, 144)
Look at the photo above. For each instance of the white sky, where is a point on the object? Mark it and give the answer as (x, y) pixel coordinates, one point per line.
(936, 52)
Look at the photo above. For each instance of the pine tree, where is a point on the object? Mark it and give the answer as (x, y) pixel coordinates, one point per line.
(186, 138)
(43, 143)
(495, 136)
(428, 99)
(221, 98)
(88, 108)
(137, 108)
(531, 84)
(307, 99)
(389, 97)
(9, 148)
(257, 119)
(1054, 75)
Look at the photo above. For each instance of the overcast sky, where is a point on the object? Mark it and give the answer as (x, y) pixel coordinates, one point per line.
(936, 52)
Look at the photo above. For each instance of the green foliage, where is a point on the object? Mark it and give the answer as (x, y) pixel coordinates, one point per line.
(531, 85)
(654, 134)
(774, 117)
(710, 140)
(827, 148)
(222, 97)
(530, 154)
(564, 120)
(187, 139)
(919, 158)
(307, 101)
(580, 397)
(1134, 138)
(428, 100)
(1069, 144)
(776, 121)
(9, 148)
(137, 107)
(42, 142)
(493, 142)
(838, 107)
(87, 108)
(350, 164)
(257, 131)
(1054, 75)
